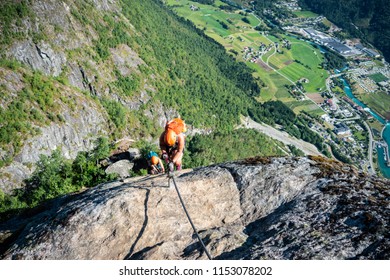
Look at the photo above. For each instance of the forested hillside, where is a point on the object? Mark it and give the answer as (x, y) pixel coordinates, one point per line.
(368, 19)
(199, 79)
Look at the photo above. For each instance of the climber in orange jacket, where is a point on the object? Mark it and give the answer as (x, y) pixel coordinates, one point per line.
(172, 142)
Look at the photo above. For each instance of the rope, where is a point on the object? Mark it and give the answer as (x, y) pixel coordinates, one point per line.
(188, 216)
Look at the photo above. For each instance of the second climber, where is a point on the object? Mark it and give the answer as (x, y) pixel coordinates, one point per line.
(154, 163)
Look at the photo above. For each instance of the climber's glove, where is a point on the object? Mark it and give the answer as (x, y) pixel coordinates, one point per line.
(171, 167)
(165, 157)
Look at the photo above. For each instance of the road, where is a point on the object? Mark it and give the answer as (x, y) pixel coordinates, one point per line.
(370, 148)
(327, 83)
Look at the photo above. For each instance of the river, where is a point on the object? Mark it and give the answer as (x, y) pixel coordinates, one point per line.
(385, 170)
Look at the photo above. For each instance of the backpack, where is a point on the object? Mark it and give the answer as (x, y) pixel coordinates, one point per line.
(151, 154)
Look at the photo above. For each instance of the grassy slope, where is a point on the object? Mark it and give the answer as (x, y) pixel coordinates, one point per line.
(305, 14)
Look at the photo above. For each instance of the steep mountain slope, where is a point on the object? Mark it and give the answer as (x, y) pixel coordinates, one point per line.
(260, 208)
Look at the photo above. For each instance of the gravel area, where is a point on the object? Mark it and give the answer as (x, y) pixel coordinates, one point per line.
(307, 148)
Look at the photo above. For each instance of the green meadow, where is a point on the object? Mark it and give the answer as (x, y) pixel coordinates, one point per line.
(305, 105)
(378, 77)
(275, 85)
(302, 61)
(377, 101)
(305, 14)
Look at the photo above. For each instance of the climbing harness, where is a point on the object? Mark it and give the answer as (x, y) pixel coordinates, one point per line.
(172, 177)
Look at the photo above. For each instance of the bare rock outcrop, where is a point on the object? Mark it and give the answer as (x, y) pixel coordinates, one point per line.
(262, 208)
(121, 168)
(39, 57)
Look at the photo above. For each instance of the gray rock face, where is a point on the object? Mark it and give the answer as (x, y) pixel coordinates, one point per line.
(12, 83)
(106, 5)
(82, 78)
(134, 153)
(12, 176)
(76, 77)
(52, 12)
(264, 208)
(164, 114)
(126, 60)
(77, 133)
(72, 136)
(121, 167)
(39, 57)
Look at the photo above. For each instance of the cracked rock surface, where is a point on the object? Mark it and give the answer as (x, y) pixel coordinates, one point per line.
(260, 208)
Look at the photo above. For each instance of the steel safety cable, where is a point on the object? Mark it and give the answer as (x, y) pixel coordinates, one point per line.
(188, 216)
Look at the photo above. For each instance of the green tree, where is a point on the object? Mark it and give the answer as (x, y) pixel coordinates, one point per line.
(246, 20)
(52, 177)
(116, 111)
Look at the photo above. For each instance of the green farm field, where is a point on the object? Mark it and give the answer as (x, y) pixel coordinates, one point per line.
(275, 85)
(378, 77)
(378, 101)
(300, 62)
(305, 14)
